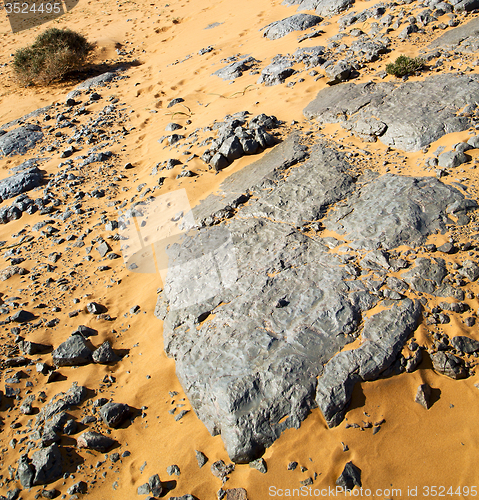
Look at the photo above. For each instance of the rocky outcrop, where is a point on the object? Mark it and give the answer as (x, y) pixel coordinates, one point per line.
(406, 116)
(278, 307)
(20, 183)
(20, 140)
(298, 22)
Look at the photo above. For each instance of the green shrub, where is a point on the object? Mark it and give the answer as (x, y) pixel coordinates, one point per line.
(404, 65)
(53, 54)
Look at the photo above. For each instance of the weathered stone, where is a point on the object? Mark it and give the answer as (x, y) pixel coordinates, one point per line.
(339, 72)
(423, 396)
(415, 113)
(10, 271)
(80, 487)
(449, 365)
(105, 354)
(114, 414)
(276, 72)
(350, 477)
(95, 441)
(231, 149)
(201, 458)
(20, 140)
(465, 344)
(236, 494)
(72, 352)
(451, 159)
(297, 22)
(236, 69)
(48, 464)
(155, 485)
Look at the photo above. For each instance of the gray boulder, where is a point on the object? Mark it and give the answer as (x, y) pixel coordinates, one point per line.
(415, 113)
(95, 441)
(72, 352)
(276, 72)
(48, 463)
(19, 140)
(104, 354)
(260, 372)
(20, 183)
(452, 159)
(350, 477)
(236, 69)
(114, 414)
(465, 344)
(339, 72)
(333, 7)
(449, 365)
(297, 22)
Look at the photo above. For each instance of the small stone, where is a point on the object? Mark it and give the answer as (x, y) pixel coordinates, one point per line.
(201, 458)
(350, 477)
(259, 464)
(173, 469)
(423, 396)
(292, 465)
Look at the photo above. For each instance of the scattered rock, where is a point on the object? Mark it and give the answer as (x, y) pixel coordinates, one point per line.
(201, 458)
(72, 352)
(95, 441)
(105, 354)
(449, 365)
(297, 22)
(423, 396)
(114, 414)
(350, 477)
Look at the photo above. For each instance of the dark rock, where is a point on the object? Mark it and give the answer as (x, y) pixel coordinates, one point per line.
(236, 69)
(350, 477)
(465, 344)
(20, 140)
(201, 458)
(339, 72)
(25, 472)
(114, 414)
(297, 22)
(50, 494)
(231, 149)
(221, 470)
(446, 248)
(423, 396)
(155, 485)
(259, 464)
(48, 465)
(449, 365)
(22, 316)
(276, 72)
(80, 487)
(72, 352)
(105, 354)
(95, 441)
(94, 308)
(219, 162)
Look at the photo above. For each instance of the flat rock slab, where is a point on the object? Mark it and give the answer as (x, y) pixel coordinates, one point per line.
(20, 183)
(408, 116)
(464, 38)
(20, 140)
(297, 22)
(256, 312)
(322, 7)
(395, 210)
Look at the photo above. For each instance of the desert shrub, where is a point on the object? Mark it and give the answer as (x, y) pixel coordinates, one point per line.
(404, 65)
(53, 54)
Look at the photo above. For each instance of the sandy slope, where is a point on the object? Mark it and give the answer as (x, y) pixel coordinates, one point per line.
(414, 447)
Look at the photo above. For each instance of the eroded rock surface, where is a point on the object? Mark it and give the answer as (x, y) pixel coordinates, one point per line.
(407, 116)
(256, 312)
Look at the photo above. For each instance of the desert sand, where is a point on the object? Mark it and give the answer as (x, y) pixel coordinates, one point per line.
(415, 447)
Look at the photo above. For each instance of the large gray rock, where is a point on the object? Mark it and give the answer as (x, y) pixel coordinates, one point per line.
(411, 114)
(276, 72)
(256, 313)
(323, 7)
(297, 22)
(395, 210)
(72, 352)
(464, 38)
(19, 140)
(47, 463)
(20, 183)
(114, 414)
(236, 69)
